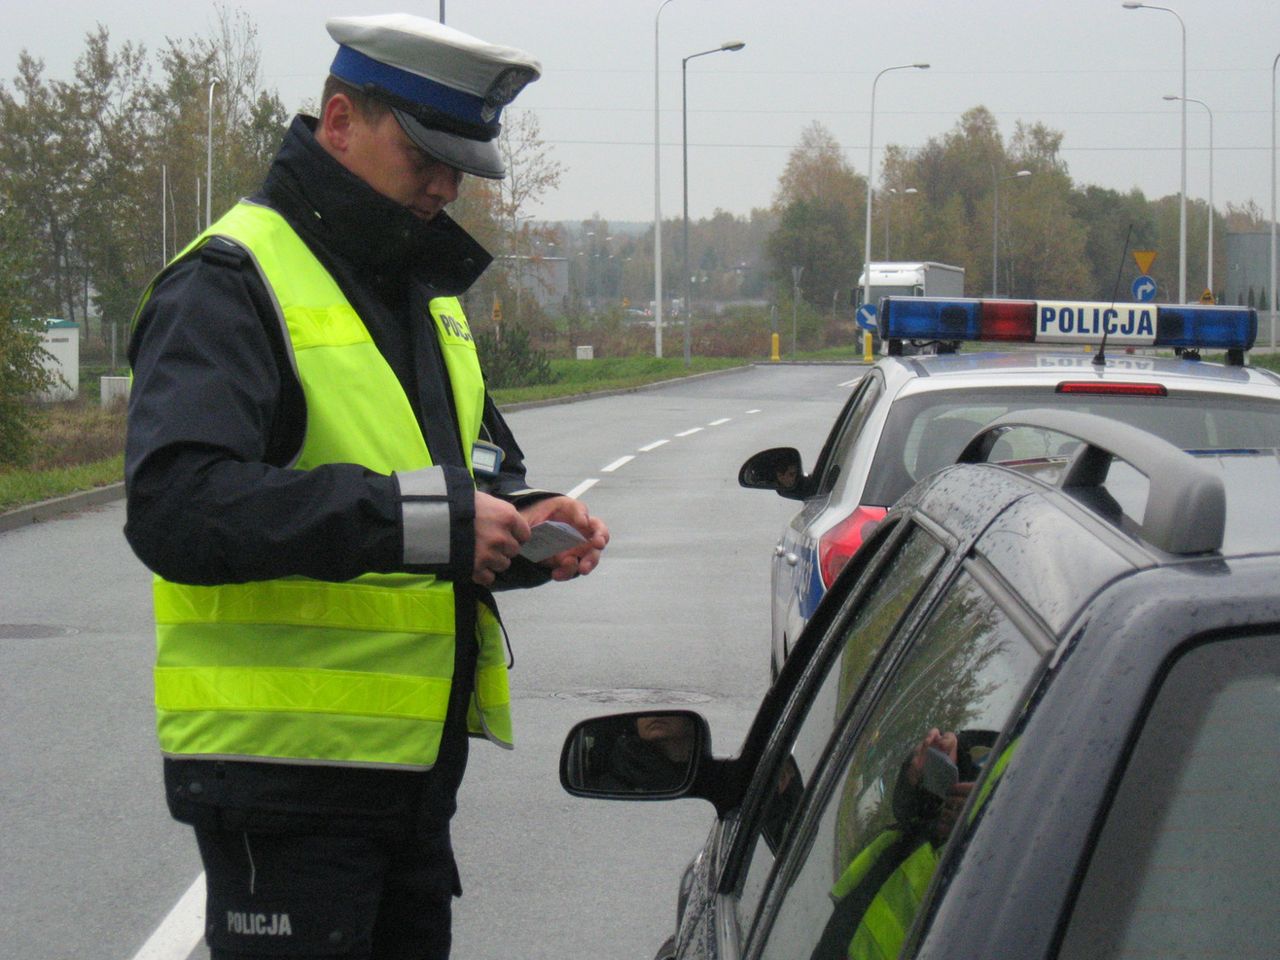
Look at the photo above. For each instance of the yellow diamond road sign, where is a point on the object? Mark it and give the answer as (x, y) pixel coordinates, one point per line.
(1144, 259)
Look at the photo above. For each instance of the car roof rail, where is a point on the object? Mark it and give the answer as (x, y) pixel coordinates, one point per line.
(1186, 503)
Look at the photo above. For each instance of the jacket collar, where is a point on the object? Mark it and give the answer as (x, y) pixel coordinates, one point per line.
(322, 199)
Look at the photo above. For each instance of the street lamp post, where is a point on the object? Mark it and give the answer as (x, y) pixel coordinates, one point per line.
(796, 273)
(731, 46)
(1273, 200)
(1170, 96)
(893, 191)
(871, 139)
(996, 180)
(208, 174)
(657, 195)
(1182, 193)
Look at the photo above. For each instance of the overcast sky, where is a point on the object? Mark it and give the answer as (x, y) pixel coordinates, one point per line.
(1088, 68)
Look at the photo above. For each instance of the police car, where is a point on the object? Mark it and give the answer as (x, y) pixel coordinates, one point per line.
(1035, 718)
(910, 415)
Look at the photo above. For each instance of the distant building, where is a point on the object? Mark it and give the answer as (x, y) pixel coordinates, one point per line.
(61, 340)
(1247, 269)
(546, 279)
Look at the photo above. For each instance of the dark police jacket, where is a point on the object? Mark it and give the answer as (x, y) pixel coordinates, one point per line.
(215, 414)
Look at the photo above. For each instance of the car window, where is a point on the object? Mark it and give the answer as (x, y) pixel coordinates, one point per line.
(898, 582)
(1188, 861)
(836, 455)
(885, 807)
(926, 432)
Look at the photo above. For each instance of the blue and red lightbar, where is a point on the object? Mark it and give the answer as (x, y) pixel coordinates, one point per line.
(1064, 321)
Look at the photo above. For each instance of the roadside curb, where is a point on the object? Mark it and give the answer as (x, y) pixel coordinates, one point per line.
(49, 509)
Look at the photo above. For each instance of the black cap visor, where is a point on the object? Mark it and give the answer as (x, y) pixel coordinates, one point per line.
(480, 158)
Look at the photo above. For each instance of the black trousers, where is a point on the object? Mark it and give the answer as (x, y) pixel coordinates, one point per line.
(302, 895)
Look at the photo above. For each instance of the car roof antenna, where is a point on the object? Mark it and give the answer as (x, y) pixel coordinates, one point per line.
(1100, 358)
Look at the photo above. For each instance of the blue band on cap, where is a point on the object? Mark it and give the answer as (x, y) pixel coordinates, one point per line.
(358, 69)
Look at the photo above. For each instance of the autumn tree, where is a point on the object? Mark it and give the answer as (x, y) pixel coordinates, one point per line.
(83, 161)
(817, 204)
(22, 355)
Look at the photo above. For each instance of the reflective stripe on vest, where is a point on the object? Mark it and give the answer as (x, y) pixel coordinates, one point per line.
(310, 671)
(887, 918)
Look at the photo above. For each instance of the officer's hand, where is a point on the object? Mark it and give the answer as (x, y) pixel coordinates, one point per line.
(582, 559)
(500, 530)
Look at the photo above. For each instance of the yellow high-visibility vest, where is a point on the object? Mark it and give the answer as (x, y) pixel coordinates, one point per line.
(309, 671)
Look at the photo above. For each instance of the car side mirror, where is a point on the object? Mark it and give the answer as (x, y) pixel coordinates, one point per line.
(778, 469)
(635, 756)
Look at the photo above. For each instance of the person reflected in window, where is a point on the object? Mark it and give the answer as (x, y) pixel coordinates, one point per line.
(878, 894)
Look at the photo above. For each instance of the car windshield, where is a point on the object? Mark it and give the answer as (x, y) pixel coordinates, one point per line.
(927, 432)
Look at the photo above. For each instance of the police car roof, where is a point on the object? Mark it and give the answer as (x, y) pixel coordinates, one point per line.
(1030, 367)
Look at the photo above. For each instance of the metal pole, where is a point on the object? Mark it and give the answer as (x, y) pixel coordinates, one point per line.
(731, 46)
(1273, 200)
(1182, 190)
(1182, 195)
(795, 303)
(164, 214)
(208, 174)
(995, 232)
(995, 225)
(1185, 101)
(871, 139)
(657, 196)
(893, 192)
(684, 141)
(1206, 106)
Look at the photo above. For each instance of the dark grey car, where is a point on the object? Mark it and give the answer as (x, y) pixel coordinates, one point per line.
(1036, 717)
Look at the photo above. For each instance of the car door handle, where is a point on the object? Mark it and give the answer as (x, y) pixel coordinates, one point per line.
(792, 559)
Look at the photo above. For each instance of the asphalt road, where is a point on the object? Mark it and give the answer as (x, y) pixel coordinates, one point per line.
(677, 614)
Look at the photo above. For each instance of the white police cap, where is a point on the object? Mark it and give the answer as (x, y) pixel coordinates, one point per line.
(445, 87)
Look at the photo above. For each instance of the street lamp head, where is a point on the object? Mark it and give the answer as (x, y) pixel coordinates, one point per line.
(1171, 96)
(911, 190)
(733, 45)
(921, 66)
(1023, 173)
(1130, 5)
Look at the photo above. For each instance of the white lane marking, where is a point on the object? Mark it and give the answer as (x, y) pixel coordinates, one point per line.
(181, 930)
(653, 446)
(688, 432)
(621, 461)
(716, 423)
(756, 410)
(582, 488)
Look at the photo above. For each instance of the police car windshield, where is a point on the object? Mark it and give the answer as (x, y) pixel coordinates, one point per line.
(927, 432)
(1249, 478)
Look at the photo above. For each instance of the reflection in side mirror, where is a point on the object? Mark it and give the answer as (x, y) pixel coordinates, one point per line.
(779, 469)
(635, 756)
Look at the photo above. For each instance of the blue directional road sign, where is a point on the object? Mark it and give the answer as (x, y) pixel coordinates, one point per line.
(866, 316)
(1144, 289)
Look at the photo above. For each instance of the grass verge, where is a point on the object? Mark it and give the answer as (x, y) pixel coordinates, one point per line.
(21, 487)
(576, 377)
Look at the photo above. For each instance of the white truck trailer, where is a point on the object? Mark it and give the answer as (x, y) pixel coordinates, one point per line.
(921, 279)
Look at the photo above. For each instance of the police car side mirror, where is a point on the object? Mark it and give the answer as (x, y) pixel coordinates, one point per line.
(779, 469)
(655, 755)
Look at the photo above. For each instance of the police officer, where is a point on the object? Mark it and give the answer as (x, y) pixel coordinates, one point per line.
(327, 494)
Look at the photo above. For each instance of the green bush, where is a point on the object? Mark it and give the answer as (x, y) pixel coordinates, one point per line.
(510, 360)
(22, 372)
